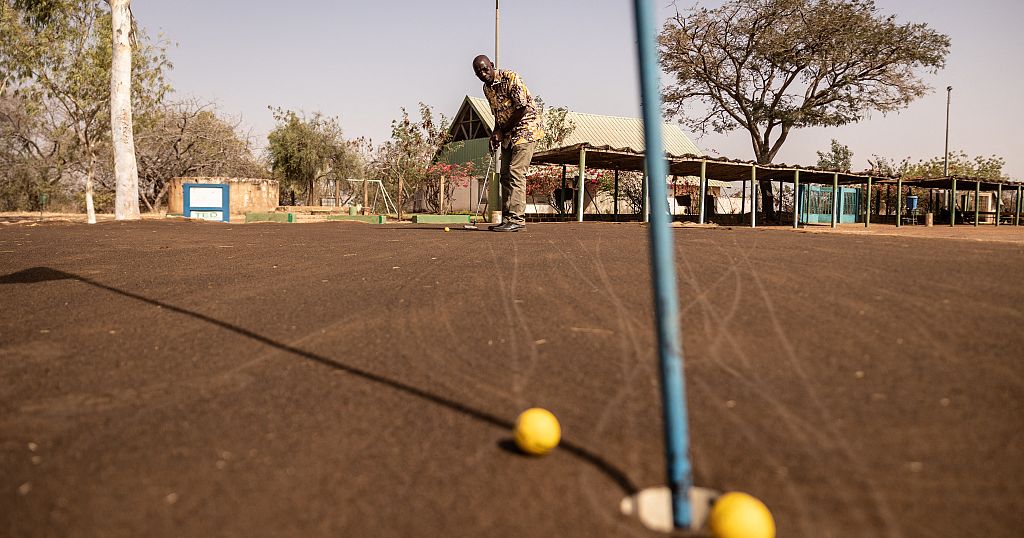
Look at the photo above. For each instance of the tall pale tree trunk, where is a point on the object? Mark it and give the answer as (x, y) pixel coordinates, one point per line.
(126, 172)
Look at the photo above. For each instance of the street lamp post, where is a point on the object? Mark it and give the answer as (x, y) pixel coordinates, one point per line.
(945, 164)
(494, 188)
(497, 31)
(945, 156)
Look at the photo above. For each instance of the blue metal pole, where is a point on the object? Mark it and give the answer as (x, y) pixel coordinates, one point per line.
(666, 300)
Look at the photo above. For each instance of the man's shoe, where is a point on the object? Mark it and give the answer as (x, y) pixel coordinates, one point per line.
(508, 226)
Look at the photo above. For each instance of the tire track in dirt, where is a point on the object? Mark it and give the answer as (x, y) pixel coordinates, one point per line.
(630, 370)
(834, 437)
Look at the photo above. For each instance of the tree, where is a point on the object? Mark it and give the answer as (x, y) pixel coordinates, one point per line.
(839, 157)
(57, 57)
(542, 180)
(557, 125)
(771, 66)
(448, 175)
(414, 146)
(304, 151)
(631, 189)
(188, 138)
(960, 165)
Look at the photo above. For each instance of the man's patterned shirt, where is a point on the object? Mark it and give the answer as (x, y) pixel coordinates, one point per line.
(508, 93)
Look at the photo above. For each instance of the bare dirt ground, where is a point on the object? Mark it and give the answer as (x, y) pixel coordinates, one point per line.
(168, 378)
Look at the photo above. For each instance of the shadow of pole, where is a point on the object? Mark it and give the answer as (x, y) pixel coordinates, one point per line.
(47, 274)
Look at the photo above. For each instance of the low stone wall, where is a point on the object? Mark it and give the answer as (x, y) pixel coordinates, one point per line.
(247, 194)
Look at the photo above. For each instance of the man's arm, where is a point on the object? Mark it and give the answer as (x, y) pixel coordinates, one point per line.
(503, 131)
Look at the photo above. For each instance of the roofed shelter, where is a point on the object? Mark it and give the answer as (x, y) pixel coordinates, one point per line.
(694, 164)
(950, 184)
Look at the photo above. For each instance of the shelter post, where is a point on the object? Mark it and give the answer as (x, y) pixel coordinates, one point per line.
(561, 196)
(899, 201)
(952, 204)
(615, 199)
(867, 210)
(977, 196)
(999, 201)
(704, 189)
(1017, 217)
(645, 190)
(835, 199)
(753, 196)
(580, 185)
(743, 198)
(780, 202)
(796, 198)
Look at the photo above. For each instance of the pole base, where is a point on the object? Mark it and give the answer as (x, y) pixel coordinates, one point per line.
(653, 507)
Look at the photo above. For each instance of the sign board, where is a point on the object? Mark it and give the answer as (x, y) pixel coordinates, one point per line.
(207, 201)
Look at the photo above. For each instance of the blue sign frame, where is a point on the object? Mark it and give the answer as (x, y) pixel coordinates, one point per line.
(224, 208)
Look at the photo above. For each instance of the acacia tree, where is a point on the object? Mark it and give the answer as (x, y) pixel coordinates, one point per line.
(771, 66)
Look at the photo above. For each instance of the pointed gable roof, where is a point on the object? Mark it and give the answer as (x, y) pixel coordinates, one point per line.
(475, 120)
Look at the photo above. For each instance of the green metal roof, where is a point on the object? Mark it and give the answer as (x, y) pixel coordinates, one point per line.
(626, 134)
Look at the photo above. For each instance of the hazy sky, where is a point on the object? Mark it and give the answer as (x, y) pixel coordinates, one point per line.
(362, 60)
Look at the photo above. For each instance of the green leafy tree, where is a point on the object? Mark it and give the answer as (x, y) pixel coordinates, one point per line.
(770, 66)
(838, 157)
(305, 152)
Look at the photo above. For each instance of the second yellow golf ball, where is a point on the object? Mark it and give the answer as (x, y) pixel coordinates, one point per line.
(739, 515)
(537, 431)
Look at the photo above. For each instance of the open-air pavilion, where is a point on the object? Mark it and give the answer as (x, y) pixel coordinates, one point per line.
(632, 159)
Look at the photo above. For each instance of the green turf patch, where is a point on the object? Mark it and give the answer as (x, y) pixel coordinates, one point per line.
(372, 219)
(269, 217)
(441, 219)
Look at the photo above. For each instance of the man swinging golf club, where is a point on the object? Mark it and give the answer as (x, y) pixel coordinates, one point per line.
(517, 128)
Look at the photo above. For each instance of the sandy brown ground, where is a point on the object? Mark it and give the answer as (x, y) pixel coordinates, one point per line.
(339, 379)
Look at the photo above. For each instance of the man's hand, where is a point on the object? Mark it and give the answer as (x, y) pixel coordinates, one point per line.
(496, 139)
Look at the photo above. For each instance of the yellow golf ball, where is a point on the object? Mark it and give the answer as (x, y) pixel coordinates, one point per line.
(537, 431)
(739, 515)
(446, 229)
